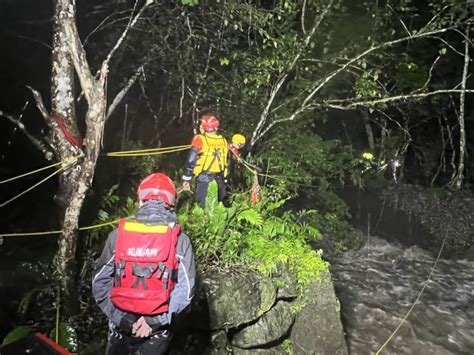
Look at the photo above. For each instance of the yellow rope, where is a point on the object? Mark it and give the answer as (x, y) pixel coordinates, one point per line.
(32, 172)
(140, 152)
(58, 231)
(64, 167)
(419, 294)
(29, 234)
(99, 225)
(148, 153)
(151, 149)
(275, 177)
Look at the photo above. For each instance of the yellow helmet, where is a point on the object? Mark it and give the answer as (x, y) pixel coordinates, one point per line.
(238, 139)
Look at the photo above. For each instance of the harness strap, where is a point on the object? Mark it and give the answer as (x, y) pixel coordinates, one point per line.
(164, 273)
(142, 273)
(215, 155)
(174, 275)
(119, 272)
(166, 277)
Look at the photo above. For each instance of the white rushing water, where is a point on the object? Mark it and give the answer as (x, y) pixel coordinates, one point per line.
(378, 284)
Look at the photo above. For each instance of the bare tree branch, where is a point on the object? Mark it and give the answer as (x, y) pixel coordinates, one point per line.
(306, 104)
(131, 23)
(40, 105)
(121, 94)
(353, 103)
(42, 147)
(303, 14)
(79, 58)
(102, 25)
(399, 19)
(430, 74)
(276, 88)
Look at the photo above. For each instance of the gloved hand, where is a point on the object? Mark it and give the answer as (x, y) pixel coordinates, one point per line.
(127, 322)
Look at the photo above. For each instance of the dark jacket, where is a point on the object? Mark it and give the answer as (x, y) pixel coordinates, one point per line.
(151, 213)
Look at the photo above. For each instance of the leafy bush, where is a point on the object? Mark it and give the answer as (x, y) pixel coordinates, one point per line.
(257, 237)
(111, 208)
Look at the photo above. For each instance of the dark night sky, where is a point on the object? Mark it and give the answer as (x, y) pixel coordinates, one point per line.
(25, 36)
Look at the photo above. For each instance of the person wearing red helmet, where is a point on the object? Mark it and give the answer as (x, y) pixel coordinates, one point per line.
(207, 160)
(146, 273)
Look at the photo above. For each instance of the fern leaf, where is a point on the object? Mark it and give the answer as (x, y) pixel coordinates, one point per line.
(251, 216)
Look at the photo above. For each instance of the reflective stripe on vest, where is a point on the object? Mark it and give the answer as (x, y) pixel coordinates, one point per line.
(213, 155)
(143, 228)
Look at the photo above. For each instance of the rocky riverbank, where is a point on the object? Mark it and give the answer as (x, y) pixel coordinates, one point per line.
(443, 214)
(251, 314)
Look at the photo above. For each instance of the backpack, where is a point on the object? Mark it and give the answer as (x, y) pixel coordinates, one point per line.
(146, 267)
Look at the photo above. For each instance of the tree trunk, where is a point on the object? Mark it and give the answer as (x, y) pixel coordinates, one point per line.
(63, 114)
(80, 184)
(69, 55)
(459, 177)
(368, 128)
(75, 182)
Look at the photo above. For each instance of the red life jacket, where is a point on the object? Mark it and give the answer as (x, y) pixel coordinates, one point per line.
(145, 267)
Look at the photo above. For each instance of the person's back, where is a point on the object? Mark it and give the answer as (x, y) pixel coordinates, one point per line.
(146, 273)
(207, 160)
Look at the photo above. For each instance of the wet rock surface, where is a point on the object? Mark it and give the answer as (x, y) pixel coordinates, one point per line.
(252, 314)
(443, 214)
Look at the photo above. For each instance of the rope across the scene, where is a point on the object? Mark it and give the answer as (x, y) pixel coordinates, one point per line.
(65, 165)
(31, 234)
(153, 151)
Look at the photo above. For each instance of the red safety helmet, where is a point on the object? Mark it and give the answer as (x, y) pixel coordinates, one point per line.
(209, 122)
(157, 186)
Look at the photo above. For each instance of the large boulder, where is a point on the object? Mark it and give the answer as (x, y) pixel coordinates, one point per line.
(318, 328)
(269, 328)
(251, 314)
(233, 300)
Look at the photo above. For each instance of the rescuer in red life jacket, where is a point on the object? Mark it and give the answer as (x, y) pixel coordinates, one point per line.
(145, 274)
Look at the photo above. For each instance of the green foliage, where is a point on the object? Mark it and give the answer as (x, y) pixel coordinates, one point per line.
(218, 231)
(302, 159)
(410, 75)
(265, 254)
(366, 85)
(259, 237)
(66, 336)
(333, 222)
(190, 2)
(310, 166)
(111, 208)
(287, 345)
(16, 334)
(141, 166)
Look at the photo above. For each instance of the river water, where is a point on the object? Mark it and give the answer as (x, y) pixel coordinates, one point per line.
(378, 284)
